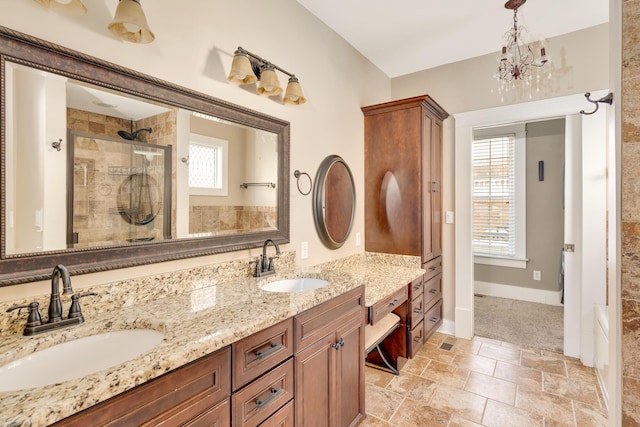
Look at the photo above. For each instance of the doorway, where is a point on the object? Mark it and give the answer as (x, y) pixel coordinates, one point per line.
(584, 138)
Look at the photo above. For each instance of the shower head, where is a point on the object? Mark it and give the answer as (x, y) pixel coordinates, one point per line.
(131, 136)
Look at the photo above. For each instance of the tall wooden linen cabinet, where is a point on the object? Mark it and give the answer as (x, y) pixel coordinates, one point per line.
(403, 194)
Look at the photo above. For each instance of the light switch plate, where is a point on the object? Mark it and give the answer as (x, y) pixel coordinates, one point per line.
(448, 217)
(358, 239)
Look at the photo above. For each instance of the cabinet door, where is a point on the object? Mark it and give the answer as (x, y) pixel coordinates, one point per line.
(350, 372)
(315, 383)
(436, 189)
(428, 187)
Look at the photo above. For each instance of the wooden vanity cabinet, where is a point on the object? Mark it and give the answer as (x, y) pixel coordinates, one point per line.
(263, 375)
(415, 327)
(403, 191)
(329, 362)
(196, 394)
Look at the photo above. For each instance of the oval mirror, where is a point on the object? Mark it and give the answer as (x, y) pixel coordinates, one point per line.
(334, 201)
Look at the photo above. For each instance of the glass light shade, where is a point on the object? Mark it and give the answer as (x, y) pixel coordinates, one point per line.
(130, 24)
(241, 70)
(68, 7)
(269, 84)
(293, 95)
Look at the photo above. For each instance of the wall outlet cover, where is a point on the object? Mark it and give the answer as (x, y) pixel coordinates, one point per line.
(304, 250)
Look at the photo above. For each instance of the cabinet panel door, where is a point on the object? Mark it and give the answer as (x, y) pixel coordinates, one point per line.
(218, 416)
(393, 181)
(428, 187)
(315, 384)
(350, 372)
(436, 189)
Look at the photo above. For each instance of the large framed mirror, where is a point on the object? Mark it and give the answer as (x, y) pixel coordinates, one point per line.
(334, 201)
(104, 167)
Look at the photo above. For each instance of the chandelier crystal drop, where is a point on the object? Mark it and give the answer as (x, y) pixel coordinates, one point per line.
(517, 58)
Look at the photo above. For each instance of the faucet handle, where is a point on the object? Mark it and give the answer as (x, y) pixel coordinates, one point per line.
(34, 318)
(74, 310)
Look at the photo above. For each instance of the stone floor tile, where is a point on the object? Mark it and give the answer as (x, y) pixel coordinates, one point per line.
(457, 421)
(446, 374)
(589, 416)
(578, 372)
(466, 346)
(493, 388)
(419, 413)
(498, 414)
(381, 403)
(546, 405)
(459, 402)
(436, 353)
(377, 376)
(523, 376)
(372, 421)
(413, 387)
(571, 389)
(484, 365)
(505, 354)
(415, 366)
(546, 363)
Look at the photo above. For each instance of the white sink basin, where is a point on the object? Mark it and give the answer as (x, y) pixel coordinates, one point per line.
(77, 358)
(295, 285)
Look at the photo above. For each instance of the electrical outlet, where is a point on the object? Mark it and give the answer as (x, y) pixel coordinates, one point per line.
(536, 275)
(448, 217)
(358, 239)
(304, 250)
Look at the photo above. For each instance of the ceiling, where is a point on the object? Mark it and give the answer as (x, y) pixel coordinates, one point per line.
(405, 36)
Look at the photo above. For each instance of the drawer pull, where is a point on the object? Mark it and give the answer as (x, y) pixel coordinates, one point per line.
(418, 339)
(392, 303)
(433, 268)
(274, 392)
(418, 311)
(433, 291)
(271, 349)
(416, 287)
(338, 344)
(434, 319)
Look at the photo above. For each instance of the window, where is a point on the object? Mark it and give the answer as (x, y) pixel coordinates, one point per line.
(499, 199)
(207, 166)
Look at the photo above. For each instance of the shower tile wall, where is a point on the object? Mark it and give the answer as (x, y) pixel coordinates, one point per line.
(231, 219)
(630, 212)
(95, 215)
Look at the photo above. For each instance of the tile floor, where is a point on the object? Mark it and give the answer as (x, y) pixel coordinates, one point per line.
(484, 382)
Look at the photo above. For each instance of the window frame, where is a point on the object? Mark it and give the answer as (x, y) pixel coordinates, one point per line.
(223, 146)
(519, 260)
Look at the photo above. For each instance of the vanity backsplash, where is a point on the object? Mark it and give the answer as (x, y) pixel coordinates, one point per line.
(126, 293)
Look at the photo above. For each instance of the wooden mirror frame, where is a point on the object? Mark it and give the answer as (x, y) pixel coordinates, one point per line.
(23, 49)
(324, 193)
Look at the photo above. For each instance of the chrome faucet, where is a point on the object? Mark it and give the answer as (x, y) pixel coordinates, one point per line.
(55, 321)
(264, 265)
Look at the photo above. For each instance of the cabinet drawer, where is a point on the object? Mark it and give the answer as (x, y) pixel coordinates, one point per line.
(432, 290)
(433, 319)
(282, 418)
(416, 308)
(261, 398)
(432, 267)
(387, 305)
(317, 322)
(416, 339)
(180, 395)
(416, 288)
(256, 354)
(218, 416)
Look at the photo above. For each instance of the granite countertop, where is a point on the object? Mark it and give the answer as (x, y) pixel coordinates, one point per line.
(211, 316)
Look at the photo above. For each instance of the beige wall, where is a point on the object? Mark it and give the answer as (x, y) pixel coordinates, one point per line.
(469, 86)
(545, 216)
(196, 52)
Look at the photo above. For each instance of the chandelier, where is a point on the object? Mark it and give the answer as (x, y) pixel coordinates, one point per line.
(517, 57)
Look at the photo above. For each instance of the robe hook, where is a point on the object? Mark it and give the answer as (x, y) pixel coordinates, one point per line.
(607, 99)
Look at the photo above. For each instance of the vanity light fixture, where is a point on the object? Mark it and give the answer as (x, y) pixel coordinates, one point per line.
(68, 7)
(248, 68)
(517, 58)
(130, 24)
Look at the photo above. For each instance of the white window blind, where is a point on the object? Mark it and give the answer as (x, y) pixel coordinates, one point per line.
(203, 166)
(494, 196)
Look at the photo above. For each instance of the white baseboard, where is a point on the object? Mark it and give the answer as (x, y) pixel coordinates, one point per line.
(463, 325)
(518, 292)
(447, 327)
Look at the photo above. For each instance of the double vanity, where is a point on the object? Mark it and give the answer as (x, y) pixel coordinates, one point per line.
(227, 344)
